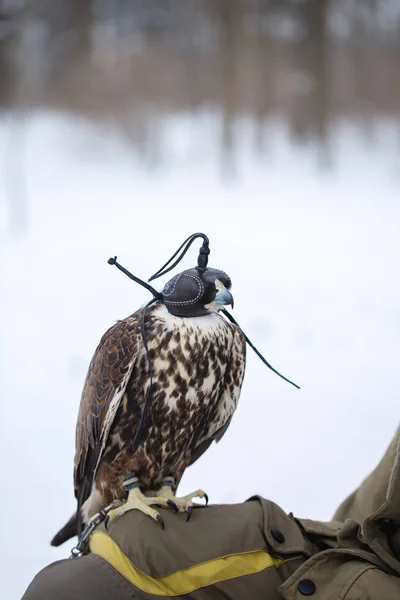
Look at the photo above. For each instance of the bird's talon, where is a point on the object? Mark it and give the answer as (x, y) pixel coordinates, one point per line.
(189, 512)
(106, 521)
(172, 505)
(206, 498)
(160, 520)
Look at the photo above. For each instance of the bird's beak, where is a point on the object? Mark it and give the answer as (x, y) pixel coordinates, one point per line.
(224, 297)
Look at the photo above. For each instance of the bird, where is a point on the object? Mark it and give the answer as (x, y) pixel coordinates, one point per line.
(198, 363)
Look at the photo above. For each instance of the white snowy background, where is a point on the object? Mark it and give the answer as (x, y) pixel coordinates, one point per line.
(314, 258)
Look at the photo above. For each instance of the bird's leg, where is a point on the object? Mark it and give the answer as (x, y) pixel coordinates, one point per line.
(179, 504)
(138, 501)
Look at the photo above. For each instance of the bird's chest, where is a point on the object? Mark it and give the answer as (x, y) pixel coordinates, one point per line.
(189, 364)
(189, 371)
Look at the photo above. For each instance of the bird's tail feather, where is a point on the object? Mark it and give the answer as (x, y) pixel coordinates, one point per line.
(69, 530)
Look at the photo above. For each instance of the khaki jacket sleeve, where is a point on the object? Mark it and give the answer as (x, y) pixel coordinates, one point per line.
(373, 491)
(374, 584)
(86, 578)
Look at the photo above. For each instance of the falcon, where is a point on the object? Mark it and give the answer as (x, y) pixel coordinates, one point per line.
(194, 363)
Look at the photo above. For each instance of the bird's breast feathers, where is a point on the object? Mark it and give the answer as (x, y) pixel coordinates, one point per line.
(198, 358)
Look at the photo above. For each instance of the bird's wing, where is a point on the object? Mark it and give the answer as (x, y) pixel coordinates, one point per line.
(205, 444)
(105, 385)
(234, 374)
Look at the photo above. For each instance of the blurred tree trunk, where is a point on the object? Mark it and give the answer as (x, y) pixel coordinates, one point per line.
(264, 59)
(12, 175)
(230, 13)
(363, 58)
(319, 67)
(70, 30)
(7, 69)
(81, 24)
(310, 113)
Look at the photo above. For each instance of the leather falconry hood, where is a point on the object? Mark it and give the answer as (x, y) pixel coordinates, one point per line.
(186, 294)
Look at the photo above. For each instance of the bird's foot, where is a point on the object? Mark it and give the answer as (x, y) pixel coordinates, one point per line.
(163, 497)
(138, 501)
(181, 504)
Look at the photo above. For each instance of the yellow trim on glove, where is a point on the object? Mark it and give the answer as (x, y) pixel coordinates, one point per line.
(186, 580)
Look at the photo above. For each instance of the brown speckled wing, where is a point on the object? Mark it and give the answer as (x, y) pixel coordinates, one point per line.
(105, 384)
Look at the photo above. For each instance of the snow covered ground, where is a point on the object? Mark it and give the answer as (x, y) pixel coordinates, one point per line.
(314, 258)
